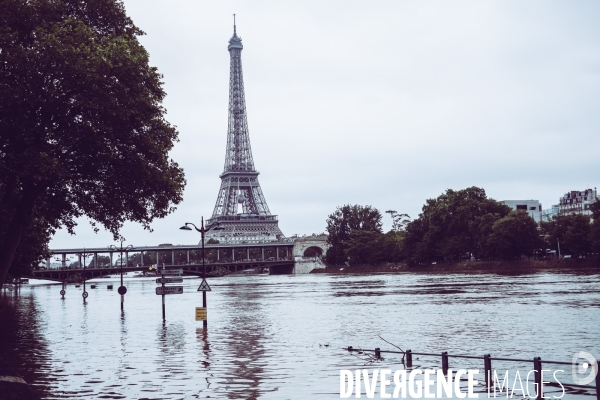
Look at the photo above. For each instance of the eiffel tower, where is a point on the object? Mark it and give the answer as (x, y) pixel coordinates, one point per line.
(241, 209)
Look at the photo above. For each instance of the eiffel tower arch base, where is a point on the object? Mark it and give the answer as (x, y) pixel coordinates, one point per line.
(245, 229)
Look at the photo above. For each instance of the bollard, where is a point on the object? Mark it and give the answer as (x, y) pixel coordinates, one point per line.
(487, 365)
(445, 362)
(377, 353)
(408, 359)
(537, 366)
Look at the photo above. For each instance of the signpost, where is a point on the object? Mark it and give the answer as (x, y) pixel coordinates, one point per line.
(169, 280)
(172, 272)
(164, 290)
(201, 314)
(204, 286)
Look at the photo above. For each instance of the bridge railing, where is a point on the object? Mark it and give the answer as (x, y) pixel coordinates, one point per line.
(169, 262)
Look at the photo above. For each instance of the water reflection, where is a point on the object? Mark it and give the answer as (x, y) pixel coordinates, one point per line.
(23, 345)
(264, 334)
(243, 343)
(204, 357)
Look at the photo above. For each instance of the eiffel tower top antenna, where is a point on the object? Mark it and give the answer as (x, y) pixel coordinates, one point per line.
(234, 33)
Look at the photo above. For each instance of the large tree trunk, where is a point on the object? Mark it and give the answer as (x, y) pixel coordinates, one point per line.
(14, 233)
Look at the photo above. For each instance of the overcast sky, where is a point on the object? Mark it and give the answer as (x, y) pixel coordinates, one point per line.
(381, 103)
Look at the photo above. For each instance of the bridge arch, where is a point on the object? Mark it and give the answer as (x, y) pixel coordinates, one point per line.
(313, 251)
(310, 246)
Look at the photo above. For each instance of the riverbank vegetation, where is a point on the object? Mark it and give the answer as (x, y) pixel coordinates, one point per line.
(457, 226)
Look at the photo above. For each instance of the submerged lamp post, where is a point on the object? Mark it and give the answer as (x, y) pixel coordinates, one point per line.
(122, 289)
(85, 256)
(202, 230)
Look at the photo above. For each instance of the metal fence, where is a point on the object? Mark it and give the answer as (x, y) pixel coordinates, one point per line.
(487, 364)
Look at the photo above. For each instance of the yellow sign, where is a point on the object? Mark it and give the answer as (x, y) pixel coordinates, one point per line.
(201, 314)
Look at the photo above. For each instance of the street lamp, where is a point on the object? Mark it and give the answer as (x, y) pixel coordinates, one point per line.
(85, 256)
(122, 289)
(202, 230)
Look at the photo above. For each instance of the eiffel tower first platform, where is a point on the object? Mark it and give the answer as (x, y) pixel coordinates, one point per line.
(241, 209)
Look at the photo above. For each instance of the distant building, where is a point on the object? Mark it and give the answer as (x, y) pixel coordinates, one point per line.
(550, 213)
(531, 207)
(575, 202)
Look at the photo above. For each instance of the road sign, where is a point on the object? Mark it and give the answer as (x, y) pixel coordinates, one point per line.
(172, 271)
(62, 292)
(201, 314)
(204, 286)
(169, 280)
(169, 290)
(122, 290)
(85, 295)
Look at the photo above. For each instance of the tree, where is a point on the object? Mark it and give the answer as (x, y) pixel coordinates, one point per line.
(452, 226)
(571, 231)
(399, 221)
(514, 235)
(595, 228)
(82, 126)
(102, 261)
(345, 221)
(32, 250)
(363, 247)
(595, 209)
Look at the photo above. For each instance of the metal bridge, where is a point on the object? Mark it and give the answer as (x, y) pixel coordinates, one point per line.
(89, 263)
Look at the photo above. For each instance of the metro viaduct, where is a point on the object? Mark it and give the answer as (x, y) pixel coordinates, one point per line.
(220, 259)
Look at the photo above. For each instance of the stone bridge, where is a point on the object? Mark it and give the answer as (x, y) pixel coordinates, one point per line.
(308, 253)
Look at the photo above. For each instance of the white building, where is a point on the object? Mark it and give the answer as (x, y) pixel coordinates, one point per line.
(531, 207)
(550, 213)
(575, 202)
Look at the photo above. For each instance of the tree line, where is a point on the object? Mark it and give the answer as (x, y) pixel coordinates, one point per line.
(457, 225)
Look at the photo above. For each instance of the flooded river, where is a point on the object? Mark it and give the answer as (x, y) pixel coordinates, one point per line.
(282, 337)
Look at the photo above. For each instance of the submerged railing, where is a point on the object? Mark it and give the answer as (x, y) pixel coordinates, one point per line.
(487, 364)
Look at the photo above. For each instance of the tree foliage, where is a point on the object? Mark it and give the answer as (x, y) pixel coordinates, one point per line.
(82, 126)
(513, 236)
(570, 232)
(455, 224)
(595, 228)
(32, 249)
(347, 222)
(399, 221)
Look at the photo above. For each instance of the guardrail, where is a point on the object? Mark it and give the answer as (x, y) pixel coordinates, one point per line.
(487, 364)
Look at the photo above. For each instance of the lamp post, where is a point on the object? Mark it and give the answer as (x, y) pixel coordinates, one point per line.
(84, 294)
(202, 230)
(122, 289)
